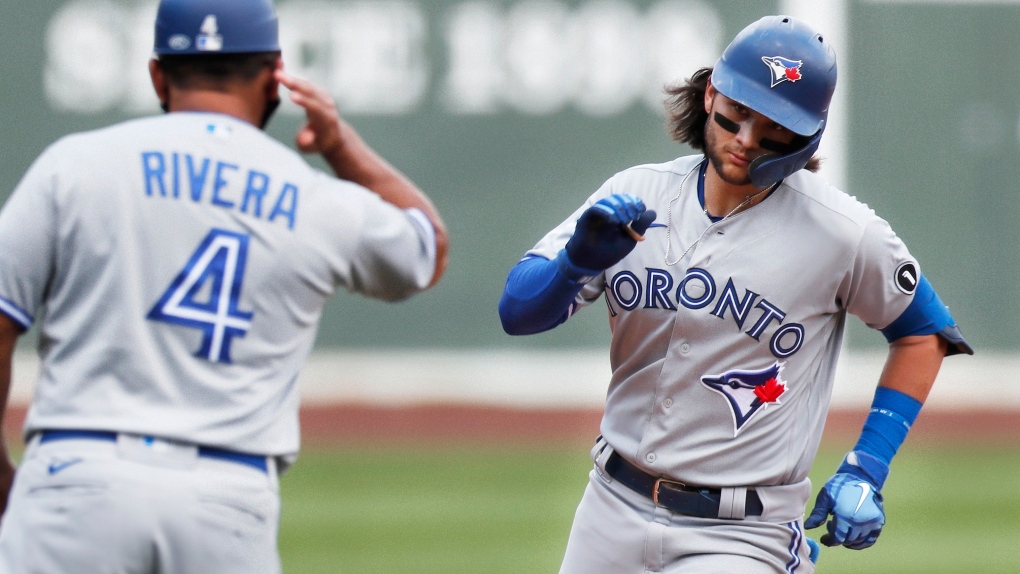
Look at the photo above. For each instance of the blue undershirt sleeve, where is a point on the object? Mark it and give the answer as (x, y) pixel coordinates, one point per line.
(928, 315)
(539, 294)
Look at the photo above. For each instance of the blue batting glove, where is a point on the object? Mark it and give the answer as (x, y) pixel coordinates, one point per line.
(853, 499)
(600, 239)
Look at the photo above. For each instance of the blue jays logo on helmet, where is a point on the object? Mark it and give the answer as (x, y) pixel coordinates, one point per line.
(783, 69)
(748, 392)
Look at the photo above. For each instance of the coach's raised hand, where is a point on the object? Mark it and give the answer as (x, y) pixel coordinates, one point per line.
(322, 133)
(602, 236)
(351, 158)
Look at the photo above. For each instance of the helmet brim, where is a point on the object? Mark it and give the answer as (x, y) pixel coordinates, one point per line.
(766, 102)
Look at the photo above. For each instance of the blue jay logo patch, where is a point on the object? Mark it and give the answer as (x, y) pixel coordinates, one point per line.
(748, 392)
(783, 69)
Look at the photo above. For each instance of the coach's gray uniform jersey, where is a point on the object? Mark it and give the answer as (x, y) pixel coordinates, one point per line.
(761, 295)
(185, 260)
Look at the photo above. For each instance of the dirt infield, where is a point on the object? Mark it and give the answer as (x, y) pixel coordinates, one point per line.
(329, 425)
(484, 424)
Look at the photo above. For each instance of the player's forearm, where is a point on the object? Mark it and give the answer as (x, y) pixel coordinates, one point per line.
(537, 296)
(908, 376)
(912, 365)
(356, 161)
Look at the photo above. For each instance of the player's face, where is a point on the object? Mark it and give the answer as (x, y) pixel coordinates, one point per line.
(736, 135)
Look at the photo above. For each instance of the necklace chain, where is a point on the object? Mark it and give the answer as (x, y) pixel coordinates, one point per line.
(669, 217)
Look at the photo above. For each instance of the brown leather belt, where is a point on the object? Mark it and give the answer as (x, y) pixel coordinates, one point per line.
(673, 495)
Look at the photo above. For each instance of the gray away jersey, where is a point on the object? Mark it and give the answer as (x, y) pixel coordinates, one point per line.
(723, 361)
(178, 266)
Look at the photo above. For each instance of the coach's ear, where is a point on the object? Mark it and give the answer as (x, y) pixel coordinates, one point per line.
(160, 84)
(272, 84)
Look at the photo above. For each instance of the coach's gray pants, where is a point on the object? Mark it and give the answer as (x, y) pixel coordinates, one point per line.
(90, 506)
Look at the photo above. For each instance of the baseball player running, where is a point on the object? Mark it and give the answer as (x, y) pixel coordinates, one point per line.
(728, 276)
(177, 267)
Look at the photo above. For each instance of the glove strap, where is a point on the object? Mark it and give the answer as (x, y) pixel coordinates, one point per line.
(579, 275)
(865, 467)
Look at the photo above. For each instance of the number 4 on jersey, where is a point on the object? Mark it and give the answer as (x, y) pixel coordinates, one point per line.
(218, 262)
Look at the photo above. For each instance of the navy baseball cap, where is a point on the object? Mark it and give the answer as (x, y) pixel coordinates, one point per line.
(189, 27)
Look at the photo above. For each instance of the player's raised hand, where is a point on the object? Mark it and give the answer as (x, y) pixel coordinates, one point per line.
(607, 231)
(322, 133)
(852, 497)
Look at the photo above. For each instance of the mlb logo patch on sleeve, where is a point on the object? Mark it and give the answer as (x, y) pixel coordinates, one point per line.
(907, 277)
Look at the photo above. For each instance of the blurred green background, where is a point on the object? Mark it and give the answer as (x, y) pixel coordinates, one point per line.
(509, 113)
(449, 510)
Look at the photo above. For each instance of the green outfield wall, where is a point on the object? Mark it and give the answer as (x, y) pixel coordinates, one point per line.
(510, 113)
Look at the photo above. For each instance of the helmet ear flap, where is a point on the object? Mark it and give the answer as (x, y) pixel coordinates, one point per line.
(770, 168)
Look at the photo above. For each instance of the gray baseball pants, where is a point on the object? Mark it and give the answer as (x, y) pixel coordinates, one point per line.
(138, 506)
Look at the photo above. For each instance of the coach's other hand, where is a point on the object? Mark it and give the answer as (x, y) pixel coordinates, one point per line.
(853, 499)
(601, 238)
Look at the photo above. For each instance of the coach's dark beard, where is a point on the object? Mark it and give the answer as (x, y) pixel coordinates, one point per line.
(271, 106)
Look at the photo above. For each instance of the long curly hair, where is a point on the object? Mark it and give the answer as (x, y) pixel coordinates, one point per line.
(686, 116)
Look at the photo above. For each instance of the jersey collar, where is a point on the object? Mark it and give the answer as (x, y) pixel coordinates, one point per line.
(701, 190)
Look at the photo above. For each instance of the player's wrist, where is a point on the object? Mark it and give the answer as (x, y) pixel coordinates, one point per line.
(892, 414)
(574, 273)
(864, 466)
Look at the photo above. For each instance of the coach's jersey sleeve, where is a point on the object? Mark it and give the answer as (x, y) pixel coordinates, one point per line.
(394, 252)
(27, 231)
(399, 253)
(881, 277)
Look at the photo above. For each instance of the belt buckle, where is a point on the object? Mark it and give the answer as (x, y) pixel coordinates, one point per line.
(659, 482)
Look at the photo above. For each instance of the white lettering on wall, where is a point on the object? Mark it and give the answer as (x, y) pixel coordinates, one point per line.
(534, 57)
(369, 55)
(85, 55)
(611, 57)
(474, 78)
(684, 36)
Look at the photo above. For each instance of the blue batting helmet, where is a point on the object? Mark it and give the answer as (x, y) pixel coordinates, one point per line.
(785, 70)
(187, 27)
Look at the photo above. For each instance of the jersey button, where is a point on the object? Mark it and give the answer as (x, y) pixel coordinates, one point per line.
(685, 348)
(667, 403)
(650, 457)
